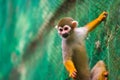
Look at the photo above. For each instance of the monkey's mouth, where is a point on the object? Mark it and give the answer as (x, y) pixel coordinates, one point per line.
(65, 35)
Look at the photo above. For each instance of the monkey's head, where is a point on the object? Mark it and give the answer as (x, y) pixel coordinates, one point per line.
(66, 26)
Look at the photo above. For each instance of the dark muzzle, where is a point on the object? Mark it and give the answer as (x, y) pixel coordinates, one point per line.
(65, 35)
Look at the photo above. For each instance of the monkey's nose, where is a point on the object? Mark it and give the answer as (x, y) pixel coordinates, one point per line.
(65, 35)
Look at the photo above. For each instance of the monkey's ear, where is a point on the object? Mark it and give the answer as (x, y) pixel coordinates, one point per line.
(56, 27)
(74, 24)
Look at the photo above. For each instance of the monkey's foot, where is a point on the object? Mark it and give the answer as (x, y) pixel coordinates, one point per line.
(105, 74)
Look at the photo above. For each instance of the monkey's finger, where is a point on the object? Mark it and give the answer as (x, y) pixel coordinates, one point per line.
(106, 75)
(104, 12)
(106, 79)
(104, 17)
(74, 74)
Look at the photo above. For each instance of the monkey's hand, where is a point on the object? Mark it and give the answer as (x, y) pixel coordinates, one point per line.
(91, 25)
(102, 16)
(70, 68)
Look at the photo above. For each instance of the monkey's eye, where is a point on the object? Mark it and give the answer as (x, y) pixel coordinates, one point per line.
(60, 30)
(66, 28)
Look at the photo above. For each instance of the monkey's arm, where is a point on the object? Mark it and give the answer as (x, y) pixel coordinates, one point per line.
(70, 68)
(90, 26)
(67, 59)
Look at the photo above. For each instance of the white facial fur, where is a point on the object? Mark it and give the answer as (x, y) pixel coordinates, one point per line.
(65, 29)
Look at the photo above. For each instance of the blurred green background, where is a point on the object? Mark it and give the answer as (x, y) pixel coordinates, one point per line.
(30, 48)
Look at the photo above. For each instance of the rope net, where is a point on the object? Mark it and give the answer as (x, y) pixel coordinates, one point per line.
(30, 48)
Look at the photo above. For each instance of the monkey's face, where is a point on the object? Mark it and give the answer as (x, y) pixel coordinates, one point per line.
(64, 31)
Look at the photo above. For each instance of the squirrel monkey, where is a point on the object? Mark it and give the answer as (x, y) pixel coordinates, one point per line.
(73, 47)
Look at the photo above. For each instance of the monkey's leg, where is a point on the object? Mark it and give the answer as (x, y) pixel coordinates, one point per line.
(99, 71)
(80, 61)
